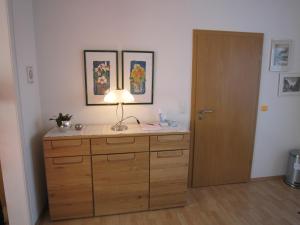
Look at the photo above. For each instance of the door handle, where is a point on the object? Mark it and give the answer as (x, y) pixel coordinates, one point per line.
(202, 112)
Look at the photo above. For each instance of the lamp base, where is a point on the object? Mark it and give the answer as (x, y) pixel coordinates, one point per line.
(119, 128)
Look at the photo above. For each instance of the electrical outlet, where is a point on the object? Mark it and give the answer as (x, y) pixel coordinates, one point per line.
(29, 72)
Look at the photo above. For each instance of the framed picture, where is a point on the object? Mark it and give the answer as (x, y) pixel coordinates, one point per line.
(101, 74)
(137, 75)
(280, 55)
(289, 84)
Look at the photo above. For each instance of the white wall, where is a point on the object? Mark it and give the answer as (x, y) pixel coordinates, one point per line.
(65, 29)
(11, 154)
(278, 130)
(31, 122)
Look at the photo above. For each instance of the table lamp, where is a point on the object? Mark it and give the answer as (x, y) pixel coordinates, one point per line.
(120, 97)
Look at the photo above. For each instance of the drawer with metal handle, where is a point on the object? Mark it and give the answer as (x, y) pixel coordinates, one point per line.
(72, 147)
(169, 142)
(115, 145)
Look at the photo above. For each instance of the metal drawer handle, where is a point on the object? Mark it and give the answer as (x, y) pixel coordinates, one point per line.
(167, 138)
(67, 160)
(121, 157)
(65, 143)
(117, 141)
(169, 154)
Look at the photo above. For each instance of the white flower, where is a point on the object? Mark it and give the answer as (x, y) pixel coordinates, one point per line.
(102, 80)
(98, 70)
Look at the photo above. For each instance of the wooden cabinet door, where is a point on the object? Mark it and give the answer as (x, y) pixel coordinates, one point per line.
(168, 178)
(69, 183)
(121, 183)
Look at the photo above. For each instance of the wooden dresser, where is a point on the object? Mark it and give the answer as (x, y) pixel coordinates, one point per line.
(97, 171)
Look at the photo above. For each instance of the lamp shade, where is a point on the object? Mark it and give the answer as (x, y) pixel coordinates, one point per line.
(119, 96)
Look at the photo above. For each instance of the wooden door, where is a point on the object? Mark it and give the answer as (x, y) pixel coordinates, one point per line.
(69, 182)
(121, 183)
(226, 75)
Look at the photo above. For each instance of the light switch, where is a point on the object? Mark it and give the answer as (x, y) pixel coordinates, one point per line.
(29, 72)
(264, 108)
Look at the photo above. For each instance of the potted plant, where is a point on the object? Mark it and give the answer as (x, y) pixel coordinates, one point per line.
(63, 120)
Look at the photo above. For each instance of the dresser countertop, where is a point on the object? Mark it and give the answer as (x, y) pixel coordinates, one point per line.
(93, 131)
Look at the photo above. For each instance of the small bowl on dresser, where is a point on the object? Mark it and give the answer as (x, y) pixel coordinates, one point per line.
(78, 126)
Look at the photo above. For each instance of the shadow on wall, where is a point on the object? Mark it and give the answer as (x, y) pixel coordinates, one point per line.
(38, 169)
(5, 91)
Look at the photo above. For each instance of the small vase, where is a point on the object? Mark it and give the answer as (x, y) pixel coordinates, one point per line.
(65, 125)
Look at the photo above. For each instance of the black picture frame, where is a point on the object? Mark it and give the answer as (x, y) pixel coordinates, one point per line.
(88, 95)
(138, 101)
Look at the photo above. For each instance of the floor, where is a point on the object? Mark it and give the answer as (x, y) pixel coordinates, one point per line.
(262, 202)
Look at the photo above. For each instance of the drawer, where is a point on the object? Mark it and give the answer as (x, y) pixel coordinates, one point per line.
(168, 178)
(69, 183)
(119, 145)
(59, 148)
(169, 142)
(121, 183)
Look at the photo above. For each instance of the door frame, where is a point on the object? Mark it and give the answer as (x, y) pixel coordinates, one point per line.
(193, 94)
(14, 177)
(192, 112)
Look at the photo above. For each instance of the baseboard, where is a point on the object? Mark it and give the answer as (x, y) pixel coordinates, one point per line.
(255, 179)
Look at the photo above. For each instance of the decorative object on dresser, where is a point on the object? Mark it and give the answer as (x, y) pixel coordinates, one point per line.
(101, 74)
(78, 126)
(100, 172)
(137, 75)
(120, 97)
(280, 55)
(289, 84)
(63, 121)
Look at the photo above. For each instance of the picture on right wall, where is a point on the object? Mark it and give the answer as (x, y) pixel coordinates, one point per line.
(280, 55)
(289, 84)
